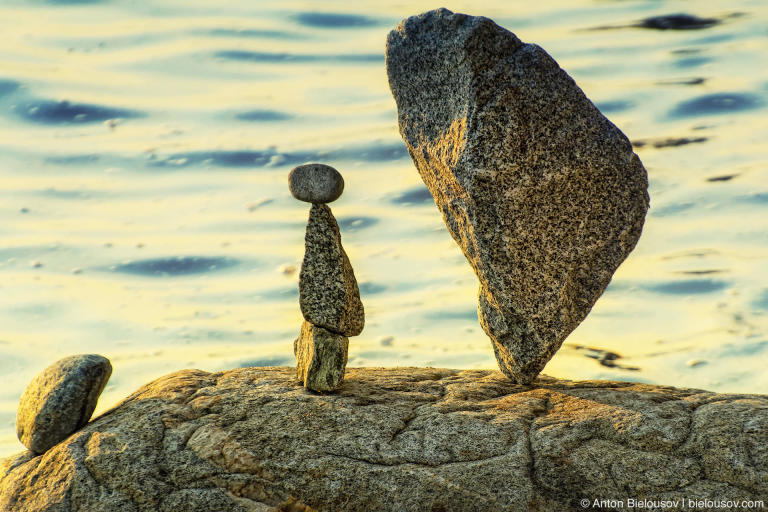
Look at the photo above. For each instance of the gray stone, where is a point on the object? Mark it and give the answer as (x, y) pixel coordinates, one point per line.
(321, 358)
(398, 439)
(542, 193)
(328, 292)
(60, 400)
(315, 183)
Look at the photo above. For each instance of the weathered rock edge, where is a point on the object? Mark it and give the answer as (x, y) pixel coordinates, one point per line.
(397, 439)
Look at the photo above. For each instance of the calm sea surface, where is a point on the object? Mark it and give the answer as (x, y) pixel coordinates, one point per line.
(145, 215)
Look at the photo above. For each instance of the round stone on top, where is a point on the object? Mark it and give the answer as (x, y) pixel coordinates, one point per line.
(315, 183)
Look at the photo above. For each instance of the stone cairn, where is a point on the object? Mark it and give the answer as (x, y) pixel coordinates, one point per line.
(328, 294)
(60, 400)
(542, 193)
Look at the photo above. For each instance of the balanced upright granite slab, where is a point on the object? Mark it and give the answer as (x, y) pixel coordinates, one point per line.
(543, 194)
(328, 292)
(398, 439)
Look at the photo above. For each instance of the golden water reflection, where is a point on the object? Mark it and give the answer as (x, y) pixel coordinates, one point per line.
(146, 217)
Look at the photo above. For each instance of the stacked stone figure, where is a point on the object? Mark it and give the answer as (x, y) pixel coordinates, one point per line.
(328, 294)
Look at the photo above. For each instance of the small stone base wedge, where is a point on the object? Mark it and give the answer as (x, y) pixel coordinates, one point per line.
(321, 358)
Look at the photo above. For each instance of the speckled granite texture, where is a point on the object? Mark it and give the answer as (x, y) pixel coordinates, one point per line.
(315, 183)
(543, 194)
(60, 400)
(321, 358)
(328, 293)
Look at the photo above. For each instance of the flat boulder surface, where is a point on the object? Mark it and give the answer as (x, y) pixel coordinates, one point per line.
(542, 193)
(399, 439)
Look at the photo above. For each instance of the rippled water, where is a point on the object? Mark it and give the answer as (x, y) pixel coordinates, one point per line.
(145, 214)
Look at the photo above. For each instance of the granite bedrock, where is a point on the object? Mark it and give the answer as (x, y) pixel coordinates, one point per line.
(254, 439)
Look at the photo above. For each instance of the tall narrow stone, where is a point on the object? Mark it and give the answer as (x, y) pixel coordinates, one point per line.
(542, 193)
(328, 292)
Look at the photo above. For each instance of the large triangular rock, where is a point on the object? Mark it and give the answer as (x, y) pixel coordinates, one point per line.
(328, 292)
(543, 194)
